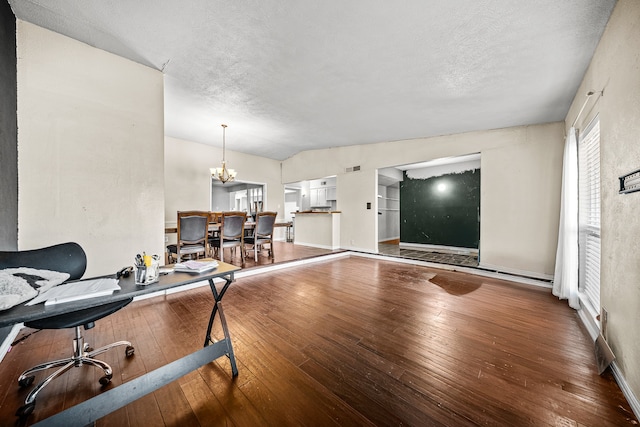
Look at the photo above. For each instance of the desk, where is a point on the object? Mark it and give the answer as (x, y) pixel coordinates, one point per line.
(97, 407)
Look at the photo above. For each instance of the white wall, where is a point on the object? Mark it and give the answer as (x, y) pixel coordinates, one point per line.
(358, 225)
(615, 68)
(520, 189)
(519, 202)
(188, 179)
(90, 150)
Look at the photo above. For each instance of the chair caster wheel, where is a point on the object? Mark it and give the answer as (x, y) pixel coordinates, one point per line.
(129, 351)
(88, 348)
(27, 381)
(105, 380)
(26, 410)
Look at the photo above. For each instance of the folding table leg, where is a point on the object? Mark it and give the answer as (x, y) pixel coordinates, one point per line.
(227, 338)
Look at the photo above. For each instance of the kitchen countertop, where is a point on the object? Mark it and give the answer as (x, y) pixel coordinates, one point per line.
(315, 212)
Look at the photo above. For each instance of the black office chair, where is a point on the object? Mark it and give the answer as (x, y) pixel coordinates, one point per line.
(67, 258)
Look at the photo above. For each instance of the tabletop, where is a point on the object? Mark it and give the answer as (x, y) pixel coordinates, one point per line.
(129, 289)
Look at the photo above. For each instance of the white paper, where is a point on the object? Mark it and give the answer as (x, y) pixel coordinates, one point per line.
(196, 266)
(75, 291)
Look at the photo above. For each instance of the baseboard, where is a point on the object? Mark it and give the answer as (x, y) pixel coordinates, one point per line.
(626, 390)
(313, 245)
(451, 267)
(440, 248)
(390, 240)
(280, 266)
(593, 329)
(516, 272)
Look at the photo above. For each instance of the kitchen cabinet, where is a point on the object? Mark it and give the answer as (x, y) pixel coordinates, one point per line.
(331, 193)
(322, 196)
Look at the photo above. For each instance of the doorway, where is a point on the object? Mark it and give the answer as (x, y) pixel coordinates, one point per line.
(237, 196)
(431, 210)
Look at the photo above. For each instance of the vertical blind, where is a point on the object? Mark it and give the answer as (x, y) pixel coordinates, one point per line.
(589, 213)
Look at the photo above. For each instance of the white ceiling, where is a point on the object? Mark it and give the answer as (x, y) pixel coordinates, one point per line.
(290, 75)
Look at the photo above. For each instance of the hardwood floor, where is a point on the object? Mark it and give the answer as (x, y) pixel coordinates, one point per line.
(353, 341)
(283, 252)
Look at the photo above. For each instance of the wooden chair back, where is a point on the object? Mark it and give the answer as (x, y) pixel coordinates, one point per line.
(193, 229)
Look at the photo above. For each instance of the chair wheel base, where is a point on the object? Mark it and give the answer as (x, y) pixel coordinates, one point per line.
(106, 379)
(26, 410)
(129, 351)
(27, 381)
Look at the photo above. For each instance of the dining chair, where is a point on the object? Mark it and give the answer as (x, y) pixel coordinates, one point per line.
(193, 234)
(68, 258)
(231, 234)
(214, 219)
(263, 233)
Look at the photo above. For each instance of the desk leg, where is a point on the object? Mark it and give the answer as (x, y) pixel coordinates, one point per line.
(217, 308)
(227, 338)
(89, 411)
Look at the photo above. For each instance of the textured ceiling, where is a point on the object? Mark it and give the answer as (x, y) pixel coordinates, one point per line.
(289, 75)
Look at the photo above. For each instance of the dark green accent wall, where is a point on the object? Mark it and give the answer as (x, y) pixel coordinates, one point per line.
(434, 216)
(8, 130)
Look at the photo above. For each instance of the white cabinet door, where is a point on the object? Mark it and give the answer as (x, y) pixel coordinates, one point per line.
(319, 197)
(331, 193)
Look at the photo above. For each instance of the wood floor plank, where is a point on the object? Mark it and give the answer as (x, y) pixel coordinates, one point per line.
(306, 399)
(239, 409)
(205, 406)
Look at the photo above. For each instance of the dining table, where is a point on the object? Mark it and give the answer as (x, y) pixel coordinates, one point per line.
(248, 225)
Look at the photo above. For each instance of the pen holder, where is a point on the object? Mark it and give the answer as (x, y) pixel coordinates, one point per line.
(146, 275)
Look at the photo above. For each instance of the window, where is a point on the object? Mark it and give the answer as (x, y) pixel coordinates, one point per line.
(589, 215)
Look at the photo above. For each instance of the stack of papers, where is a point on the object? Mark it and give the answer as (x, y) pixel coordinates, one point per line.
(195, 266)
(75, 291)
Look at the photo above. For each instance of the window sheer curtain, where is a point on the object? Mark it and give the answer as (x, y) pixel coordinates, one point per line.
(565, 280)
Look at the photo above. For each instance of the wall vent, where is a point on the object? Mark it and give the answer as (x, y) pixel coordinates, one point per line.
(352, 169)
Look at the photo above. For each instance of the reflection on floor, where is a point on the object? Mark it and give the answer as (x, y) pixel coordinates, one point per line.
(429, 256)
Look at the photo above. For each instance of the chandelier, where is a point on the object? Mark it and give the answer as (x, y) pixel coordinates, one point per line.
(223, 174)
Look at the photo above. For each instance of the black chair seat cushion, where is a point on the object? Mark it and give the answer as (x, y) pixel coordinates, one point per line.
(250, 240)
(216, 241)
(253, 240)
(77, 318)
(187, 249)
